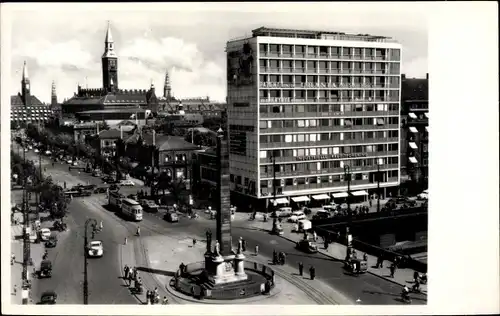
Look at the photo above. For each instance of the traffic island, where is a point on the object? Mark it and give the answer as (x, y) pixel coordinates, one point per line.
(194, 281)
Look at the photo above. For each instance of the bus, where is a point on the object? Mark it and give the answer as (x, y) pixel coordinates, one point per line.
(132, 209)
(115, 200)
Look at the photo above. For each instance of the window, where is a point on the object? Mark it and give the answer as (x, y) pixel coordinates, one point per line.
(288, 138)
(263, 154)
(262, 48)
(299, 49)
(313, 123)
(300, 123)
(346, 51)
(299, 64)
(300, 152)
(288, 123)
(311, 50)
(300, 137)
(263, 138)
(273, 48)
(273, 63)
(312, 137)
(300, 109)
(275, 124)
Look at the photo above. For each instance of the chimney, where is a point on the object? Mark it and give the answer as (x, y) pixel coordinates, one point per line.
(427, 76)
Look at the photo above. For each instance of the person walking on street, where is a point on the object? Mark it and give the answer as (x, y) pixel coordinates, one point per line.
(392, 269)
(256, 250)
(301, 269)
(371, 202)
(312, 272)
(165, 300)
(194, 242)
(126, 270)
(275, 256)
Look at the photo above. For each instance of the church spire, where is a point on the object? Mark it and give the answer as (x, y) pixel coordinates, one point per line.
(25, 72)
(53, 98)
(109, 35)
(109, 63)
(167, 89)
(109, 44)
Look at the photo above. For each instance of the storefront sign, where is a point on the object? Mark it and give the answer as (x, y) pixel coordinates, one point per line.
(333, 156)
(314, 85)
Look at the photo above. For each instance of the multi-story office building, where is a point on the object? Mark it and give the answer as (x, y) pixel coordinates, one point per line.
(321, 107)
(414, 133)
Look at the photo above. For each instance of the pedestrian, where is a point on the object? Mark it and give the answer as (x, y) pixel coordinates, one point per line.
(126, 241)
(371, 202)
(275, 256)
(244, 245)
(148, 296)
(15, 289)
(301, 269)
(392, 269)
(125, 272)
(326, 244)
(256, 250)
(312, 272)
(194, 242)
(365, 257)
(165, 300)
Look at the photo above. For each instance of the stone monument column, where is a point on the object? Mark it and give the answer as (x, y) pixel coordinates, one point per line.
(223, 204)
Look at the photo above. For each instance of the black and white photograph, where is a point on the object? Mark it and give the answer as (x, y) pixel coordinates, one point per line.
(223, 155)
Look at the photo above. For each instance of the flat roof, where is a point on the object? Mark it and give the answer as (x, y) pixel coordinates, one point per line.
(316, 34)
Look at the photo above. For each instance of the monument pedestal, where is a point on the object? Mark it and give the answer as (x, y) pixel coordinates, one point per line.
(223, 270)
(239, 265)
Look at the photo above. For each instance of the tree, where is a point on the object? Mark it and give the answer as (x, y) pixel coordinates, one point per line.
(178, 190)
(52, 198)
(163, 182)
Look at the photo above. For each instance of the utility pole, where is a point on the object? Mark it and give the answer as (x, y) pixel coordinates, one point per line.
(274, 185)
(85, 255)
(26, 241)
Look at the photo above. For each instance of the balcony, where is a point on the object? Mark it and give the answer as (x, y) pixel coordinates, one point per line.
(278, 145)
(328, 114)
(323, 172)
(298, 130)
(335, 56)
(267, 161)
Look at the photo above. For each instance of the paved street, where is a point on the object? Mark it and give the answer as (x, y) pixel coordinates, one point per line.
(105, 285)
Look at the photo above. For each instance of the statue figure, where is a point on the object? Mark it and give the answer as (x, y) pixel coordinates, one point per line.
(240, 246)
(209, 240)
(217, 248)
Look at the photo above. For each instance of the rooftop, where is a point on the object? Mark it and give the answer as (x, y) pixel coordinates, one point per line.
(414, 88)
(112, 134)
(328, 35)
(16, 100)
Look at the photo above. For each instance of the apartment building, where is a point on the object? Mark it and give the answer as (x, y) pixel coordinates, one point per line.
(312, 109)
(414, 133)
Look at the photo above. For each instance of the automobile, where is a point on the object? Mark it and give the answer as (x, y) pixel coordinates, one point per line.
(48, 298)
(321, 214)
(51, 242)
(69, 161)
(284, 212)
(149, 206)
(45, 269)
(126, 183)
(30, 147)
(75, 163)
(424, 195)
(45, 234)
(330, 208)
(100, 190)
(108, 179)
(404, 200)
(96, 173)
(48, 152)
(296, 216)
(307, 246)
(114, 188)
(36, 150)
(171, 217)
(95, 249)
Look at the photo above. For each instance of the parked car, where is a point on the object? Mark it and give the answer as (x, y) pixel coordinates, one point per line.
(45, 234)
(51, 242)
(96, 173)
(100, 190)
(127, 183)
(307, 246)
(424, 195)
(321, 214)
(95, 249)
(36, 150)
(171, 217)
(48, 298)
(45, 269)
(296, 216)
(114, 188)
(149, 206)
(48, 152)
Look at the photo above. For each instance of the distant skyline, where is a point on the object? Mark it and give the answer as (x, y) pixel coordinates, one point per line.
(66, 41)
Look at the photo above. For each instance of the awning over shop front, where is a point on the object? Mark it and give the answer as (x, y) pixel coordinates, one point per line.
(427, 128)
(359, 193)
(413, 160)
(413, 145)
(300, 199)
(340, 195)
(426, 114)
(412, 115)
(279, 201)
(321, 197)
(413, 129)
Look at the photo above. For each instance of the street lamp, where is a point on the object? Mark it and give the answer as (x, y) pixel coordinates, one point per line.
(85, 249)
(379, 162)
(347, 177)
(275, 203)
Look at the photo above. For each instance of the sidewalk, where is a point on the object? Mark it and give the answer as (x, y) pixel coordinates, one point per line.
(335, 250)
(164, 254)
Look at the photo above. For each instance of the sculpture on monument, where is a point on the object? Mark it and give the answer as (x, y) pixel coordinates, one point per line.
(217, 248)
(209, 240)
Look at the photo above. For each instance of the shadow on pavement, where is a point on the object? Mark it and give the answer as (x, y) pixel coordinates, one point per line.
(156, 271)
(312, 257)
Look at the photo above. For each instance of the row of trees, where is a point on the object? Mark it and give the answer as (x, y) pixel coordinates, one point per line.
(51, 195)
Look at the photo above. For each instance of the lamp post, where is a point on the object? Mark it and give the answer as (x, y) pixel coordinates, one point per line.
(275, 203)
(347, 177)
(379, 162)
(85, 249)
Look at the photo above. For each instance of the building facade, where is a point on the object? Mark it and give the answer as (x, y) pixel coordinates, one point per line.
(26, 108)
(322, 106)
(414, 133)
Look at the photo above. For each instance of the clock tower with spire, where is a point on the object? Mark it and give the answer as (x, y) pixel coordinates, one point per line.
(109, 63)
(25, 87)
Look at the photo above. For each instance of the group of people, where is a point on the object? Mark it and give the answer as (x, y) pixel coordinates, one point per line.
(132, 275)
(279, 258)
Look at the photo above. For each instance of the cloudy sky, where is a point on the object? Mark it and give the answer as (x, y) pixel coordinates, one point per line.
(64, 43)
